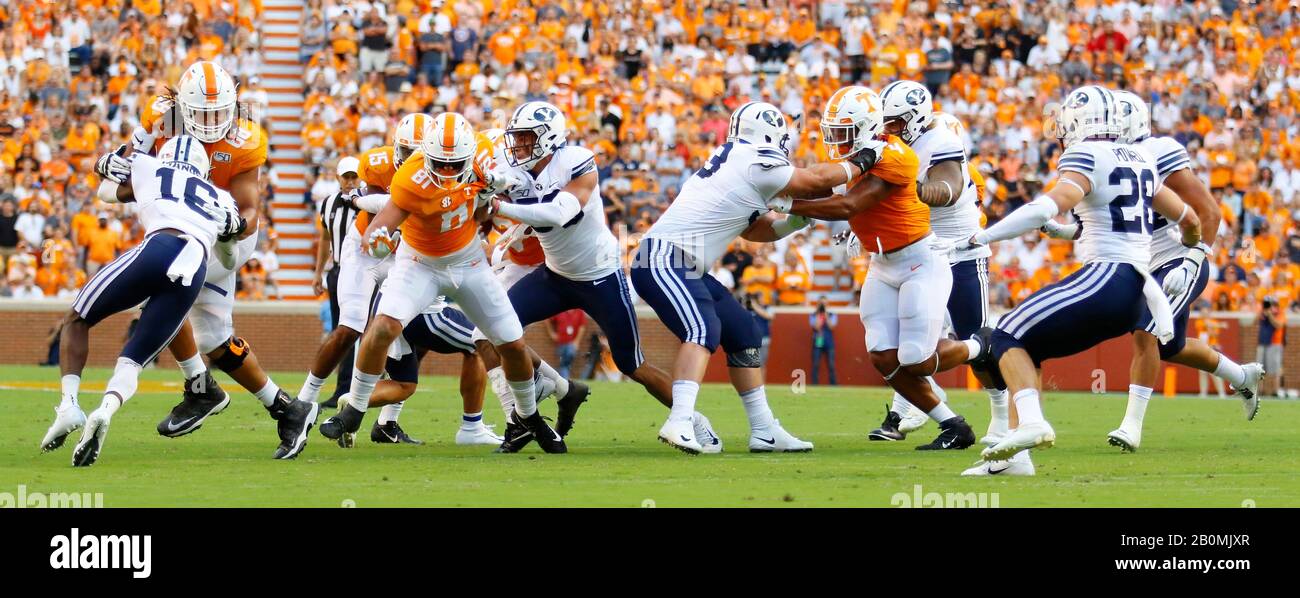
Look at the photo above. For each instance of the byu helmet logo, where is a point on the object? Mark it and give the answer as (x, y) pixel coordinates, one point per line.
(544, 114)
(769, 117)
(915, 97)
(1078, 100)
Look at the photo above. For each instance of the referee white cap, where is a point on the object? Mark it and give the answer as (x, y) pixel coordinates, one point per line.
(348, 164)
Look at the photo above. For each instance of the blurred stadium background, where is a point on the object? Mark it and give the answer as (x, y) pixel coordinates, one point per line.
(649, 86)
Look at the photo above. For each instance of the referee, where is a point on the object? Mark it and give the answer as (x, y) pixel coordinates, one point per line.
(336, 216)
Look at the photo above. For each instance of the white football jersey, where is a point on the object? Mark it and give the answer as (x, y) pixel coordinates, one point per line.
(962, 219)
(167, 197)
(722, 199)
(1166, 237)
(583, 248)
(1114, 215)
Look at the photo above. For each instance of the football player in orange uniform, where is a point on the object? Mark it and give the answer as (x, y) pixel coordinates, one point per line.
(435, 198)
(906, 291)
(204, 106)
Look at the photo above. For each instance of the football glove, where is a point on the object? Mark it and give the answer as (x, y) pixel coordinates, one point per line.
(114, 166)
(1183, 277)
(381, 243)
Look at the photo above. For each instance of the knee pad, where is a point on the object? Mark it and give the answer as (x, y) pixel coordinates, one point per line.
(912, 352)
(745, 358)
(233, 354)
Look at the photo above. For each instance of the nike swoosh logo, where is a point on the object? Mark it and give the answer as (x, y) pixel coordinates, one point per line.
(915, 267)
(772, 441)
(174, 427)
(594, 283)
(997, 471)
(684, 439)
(390, 437)
(947, 444)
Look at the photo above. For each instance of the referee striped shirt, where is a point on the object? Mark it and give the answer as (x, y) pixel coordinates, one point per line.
(336, 216)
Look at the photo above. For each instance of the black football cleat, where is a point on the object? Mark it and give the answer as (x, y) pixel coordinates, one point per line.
(568, 407)
(888, 429)
(516, 437)
(202, 397)
(954, 434)
(294, 420)
(389, 433)
(984, 361)
(342, 426)
(548, 439)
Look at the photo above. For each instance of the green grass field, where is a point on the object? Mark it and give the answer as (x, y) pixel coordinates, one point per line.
(1195, 452)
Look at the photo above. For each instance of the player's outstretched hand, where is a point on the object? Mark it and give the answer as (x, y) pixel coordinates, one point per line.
(114, 165)
(381, 243)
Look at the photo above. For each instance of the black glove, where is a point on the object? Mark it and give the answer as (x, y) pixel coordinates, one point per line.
(864, 159)
(235, 225)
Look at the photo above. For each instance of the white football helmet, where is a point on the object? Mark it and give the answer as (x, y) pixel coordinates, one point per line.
(759, 123)
(909, 102)
(408, 135)
(186, 153)
(1089, 112)
(1135, 117)
(536, 129)
(206, 97)
(448, 147)
(853, 120)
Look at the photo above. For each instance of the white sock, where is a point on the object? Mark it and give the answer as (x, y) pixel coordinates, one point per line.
(1028, 406)
(524, 391)
(268, 393)
(363, 385)
(1138, 397)
(192, 367)
(390, 412)
(998, 407)
(121, 387)
(900, 405)
(501, 387)
(972, 348)
(1230, 371)
(760, 415)
(684, 393)
(941, 413)
(311, 388)
(561, 385)
(71, 386)
(470, 421)
(938, 390)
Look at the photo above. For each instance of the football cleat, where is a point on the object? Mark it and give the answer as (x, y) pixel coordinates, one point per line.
(996, 431)
(548, 439)
(567, 406)
(342, 426)
(391, 433)
(1250, 390)
(1027, 436)
(680, 433)
(66, 421)
(1126, 441)
(516, 438)
(479, 434)
(984, 361)
(774, 439)
(92, 439)
(954, 434)
(202, 398)
(710, 442)
(913, 420)
(294, 420)
(1019, 465)
(888, 429)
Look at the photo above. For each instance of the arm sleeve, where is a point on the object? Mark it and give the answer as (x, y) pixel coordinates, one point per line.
(373, 203)
(552, 213)
(1028, 217)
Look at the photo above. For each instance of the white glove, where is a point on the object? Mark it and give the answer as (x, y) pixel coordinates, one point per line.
(854, 248)
(226, 214)
(780, 205)
(1057, 230)
(113, 166)
(498, 180)
(1182, 278)
(381, 243)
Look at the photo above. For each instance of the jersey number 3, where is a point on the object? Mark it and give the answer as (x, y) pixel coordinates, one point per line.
(1129, 211)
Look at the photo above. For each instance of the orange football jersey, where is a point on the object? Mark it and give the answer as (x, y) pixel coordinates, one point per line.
(377, 171)
(242, 150)
(900, 219)
(441, 221)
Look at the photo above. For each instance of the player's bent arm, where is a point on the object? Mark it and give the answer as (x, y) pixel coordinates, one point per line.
(558, 212)
(1033, 215)
(110, 192)
(244, 188)
(943, 184)
(372, 203)
(392, 216)
(768, 229)
(1197, 196)
(819, 180)
(1167, 204)
(862, 196)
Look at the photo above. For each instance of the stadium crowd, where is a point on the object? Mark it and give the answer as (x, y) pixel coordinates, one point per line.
(649, 86)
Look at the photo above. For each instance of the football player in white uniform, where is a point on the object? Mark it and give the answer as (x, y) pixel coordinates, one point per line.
(1111, 187)
(1181, 271)
(185, 218)
(725, 199)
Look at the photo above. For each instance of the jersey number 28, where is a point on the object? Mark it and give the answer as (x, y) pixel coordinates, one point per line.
(1129, 212)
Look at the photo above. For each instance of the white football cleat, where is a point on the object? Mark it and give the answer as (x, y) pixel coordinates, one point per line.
(480, 434)
(92, 439)
(996, 432)
(710, 442)
(680, 433)
(66, 421)
(1019, 465)
(913, 420)
(1126, 440)
(1249, 391)
(774, 439)
(1027, 436)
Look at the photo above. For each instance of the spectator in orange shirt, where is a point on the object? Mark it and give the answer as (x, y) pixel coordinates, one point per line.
(793, 283)
(102, 245)
(760, 278)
